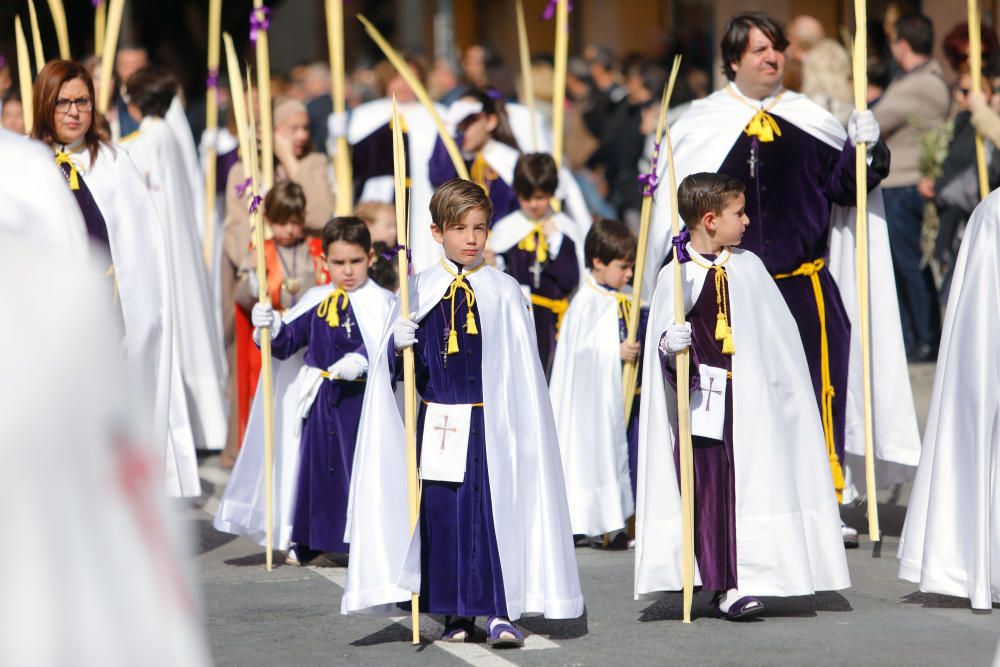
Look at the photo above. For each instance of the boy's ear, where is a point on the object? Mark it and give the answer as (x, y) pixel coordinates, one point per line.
(437, 233)
(708, 221)
(597, 263)
(371, 257)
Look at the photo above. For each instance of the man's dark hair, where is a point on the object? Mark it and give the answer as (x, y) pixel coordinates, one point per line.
(705, 192)
(917, 31)
(607, 241)
(347, 229)
(737, 37)
(152, 89)
(535, 172)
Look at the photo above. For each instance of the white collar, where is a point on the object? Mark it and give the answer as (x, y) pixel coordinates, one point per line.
(719, 260)
(454, 268)
(770, 99)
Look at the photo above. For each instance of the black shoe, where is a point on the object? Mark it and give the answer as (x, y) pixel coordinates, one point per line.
(922, 353)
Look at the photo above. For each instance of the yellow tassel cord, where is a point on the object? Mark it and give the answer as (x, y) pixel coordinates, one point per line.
(811, 270)
(74, 178)
(723, 329)
(535, 242)
(557, 306)
(762, 125)
(481, 173)
(329, 309)
(457, 284)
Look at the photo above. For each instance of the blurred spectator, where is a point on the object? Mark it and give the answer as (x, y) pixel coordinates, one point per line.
(442, 78)
(878, 81)
(316, 88)
(128, 61)
(5, 80)
(12, 112)
(380, 217)
(914, 104)
(956, 46)
(804, 32)
(826, 78)
(606, 94)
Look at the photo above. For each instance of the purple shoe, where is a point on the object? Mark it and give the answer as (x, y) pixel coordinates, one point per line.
(743, 609)
(497, 627)
(458, 630)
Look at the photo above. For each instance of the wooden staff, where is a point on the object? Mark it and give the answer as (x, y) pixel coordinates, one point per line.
(418, 89)
(409, 381)
(36, 37)
(264, 99)
(100, 23)
(24, 74)
(861, 185)
(630, 369)
(341, 158)
(976, 73)
(211, 128)
(526, 80)
(62, 31)
(108, 59)
(248, 149)
(559, 80)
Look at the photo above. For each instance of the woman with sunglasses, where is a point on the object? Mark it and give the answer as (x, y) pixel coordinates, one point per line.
(123, 227)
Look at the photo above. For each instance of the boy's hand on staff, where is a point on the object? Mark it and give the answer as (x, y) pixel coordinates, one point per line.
(677, 337)
(630, 351)
(404, 332)
(263, 317)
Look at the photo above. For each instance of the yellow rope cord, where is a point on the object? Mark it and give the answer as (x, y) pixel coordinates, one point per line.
(74, 178)
(762, 125)
(479, 174)
(535, 241)
(557, 306)
(812, 270)
(328, 308)
(470, 298)
(723, 326)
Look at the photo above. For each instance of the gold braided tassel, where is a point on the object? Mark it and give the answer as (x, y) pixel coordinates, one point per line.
(728, 347)
(470, 324)
(470, 299)
(721, 327)
(74, 177)
(763, 126)
(536, 242)
(328, 308)
(723, 330)
(453, 342)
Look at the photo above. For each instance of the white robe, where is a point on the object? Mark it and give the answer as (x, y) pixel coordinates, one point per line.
(951, 539)
(142, 271)
(36, 202)
(421, 133)
(702, 138)
(587, 399)
(242, 510)
(177, 121)
(788, 539)
(100, 575)
(519, 116)
(196, 344)
(508, 231)
(530, 516)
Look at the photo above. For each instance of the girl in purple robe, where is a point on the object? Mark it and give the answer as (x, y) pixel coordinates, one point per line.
(488, 147)
(333, 334)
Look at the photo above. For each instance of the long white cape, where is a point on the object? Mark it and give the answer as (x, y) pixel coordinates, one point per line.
(519, 116)
(951, 540)
(177, 121)
(526, 482)
(142, 271)
(586, 390)
(510, 229)
(242, 509)
(788, 539)
(86, 480)
(197, 346)
(702, 138)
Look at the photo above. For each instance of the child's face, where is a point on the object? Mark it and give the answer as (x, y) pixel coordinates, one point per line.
(464, 240)
(288, 232)
(615, 274)
(536, 206)
(729, 224)
(476, 131)
(348, 264)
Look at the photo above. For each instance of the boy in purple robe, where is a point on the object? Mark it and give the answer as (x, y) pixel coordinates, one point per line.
(333, 334)
(536, 245)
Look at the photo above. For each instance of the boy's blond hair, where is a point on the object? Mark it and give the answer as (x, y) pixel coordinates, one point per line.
(454, 199)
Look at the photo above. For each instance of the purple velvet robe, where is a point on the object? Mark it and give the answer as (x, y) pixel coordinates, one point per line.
(714, 473)
(560, 275)
(441, 170)
(460, 563)
(97, 227)
(329, 431)
(791, 185)
(372, 157)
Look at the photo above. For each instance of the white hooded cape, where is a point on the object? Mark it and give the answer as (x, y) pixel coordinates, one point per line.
(529, 498)
(177, 120)
(519, 116)
(197, 347)
(142, 271)
(951, 539)
(510, 229)
(586, 390)
(86, 479)
(242, 510)
(702, 138)
(788, 539)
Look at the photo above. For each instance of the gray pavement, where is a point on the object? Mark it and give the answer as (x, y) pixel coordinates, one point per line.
(292, 614)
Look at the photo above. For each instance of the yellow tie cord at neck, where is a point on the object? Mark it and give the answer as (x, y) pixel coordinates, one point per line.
(536, 242)
(811, 270)
(723, 328)
(763, 126)
(74, 178)
(479, 174)
(328, 308)
(457, 284)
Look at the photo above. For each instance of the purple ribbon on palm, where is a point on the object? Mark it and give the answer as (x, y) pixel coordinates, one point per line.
(550, 9)
(260, 21)
(255, 203)
(241, 188)
(212, 80)
(679, 244)
(391, 253)
(650, 180)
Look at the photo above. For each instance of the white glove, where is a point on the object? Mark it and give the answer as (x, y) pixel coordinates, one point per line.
(404, 332)
(349, 367)
(677, 337)
(263, 316)
(336, 125)
(863, 128)
(459, 111)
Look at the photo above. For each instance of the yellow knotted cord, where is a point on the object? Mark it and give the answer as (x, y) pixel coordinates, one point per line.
(457, 284)
(478, 174)
(812, 270)
(723, 326)
(328, 308)
(74, 178)
(762, 125)
(535, 241)
(557, 306)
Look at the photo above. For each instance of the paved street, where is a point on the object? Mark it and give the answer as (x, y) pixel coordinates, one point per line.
(291, 616)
